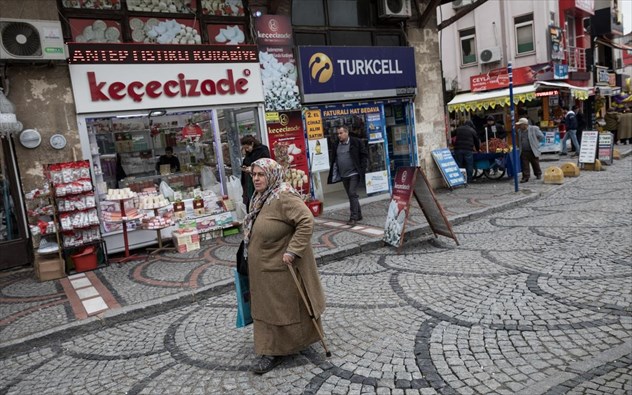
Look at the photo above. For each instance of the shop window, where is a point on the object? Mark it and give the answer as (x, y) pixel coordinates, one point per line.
(308, 13)
(310, 39)
(524, 34)
(468, 46)
(345, 22)
(388, 40)
(350, 38)
(95, 31)
(353, 13)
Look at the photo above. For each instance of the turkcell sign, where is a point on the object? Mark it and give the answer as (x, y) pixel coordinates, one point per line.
(353, 73)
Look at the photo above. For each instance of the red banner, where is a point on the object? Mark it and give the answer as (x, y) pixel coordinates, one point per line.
(287, 146)
(499, 79)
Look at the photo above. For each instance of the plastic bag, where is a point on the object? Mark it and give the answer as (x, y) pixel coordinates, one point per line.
(208, 178)
(166, 190)
(235, 193)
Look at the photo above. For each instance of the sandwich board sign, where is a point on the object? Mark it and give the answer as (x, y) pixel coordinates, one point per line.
(588, 148)
(409, 182)
(449, 169)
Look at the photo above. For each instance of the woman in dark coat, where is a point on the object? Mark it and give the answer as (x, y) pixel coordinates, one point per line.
(254, 150)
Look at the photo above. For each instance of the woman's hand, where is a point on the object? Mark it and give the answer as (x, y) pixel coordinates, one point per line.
(288, 258)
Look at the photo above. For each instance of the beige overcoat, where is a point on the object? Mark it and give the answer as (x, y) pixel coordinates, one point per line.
(281, 323)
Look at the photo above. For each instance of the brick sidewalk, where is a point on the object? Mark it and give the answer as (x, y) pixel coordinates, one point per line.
(31, 310)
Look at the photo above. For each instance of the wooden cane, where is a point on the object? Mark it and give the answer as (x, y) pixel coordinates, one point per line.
(309, 310)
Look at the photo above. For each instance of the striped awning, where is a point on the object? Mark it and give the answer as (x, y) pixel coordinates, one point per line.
(490, 99)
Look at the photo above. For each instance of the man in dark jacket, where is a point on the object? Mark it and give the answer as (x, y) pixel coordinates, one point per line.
(348, 164)
(570, 121)
(492, 130)
(465, 141)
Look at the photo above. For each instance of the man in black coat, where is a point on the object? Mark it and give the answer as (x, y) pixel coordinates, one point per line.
(348, 164)
(492, 130)
(466, 139)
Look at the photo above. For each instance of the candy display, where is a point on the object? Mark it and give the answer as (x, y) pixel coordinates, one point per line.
(119, 194)
(163, 32)
(170, 6)
(151, 202)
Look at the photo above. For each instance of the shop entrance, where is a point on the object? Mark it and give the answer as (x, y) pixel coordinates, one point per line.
(14, 240)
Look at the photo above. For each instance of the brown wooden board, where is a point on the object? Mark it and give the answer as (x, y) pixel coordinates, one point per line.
(431, 207)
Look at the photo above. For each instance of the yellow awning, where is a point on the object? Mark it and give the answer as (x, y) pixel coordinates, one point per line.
(490, 99)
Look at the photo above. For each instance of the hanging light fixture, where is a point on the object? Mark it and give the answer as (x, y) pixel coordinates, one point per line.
(8, 121)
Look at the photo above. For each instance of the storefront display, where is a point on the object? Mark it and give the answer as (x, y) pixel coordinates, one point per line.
(197, 104)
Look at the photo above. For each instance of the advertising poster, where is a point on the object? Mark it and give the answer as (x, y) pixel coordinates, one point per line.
(606, 148)
(287, 146)
(449, 169)
(376, 181)
(319, 155)
(552, 141)
(278, 66)
(375, 128)
(399, 205)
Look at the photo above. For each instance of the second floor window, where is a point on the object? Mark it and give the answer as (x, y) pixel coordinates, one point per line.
(524, 34)
(468, 46)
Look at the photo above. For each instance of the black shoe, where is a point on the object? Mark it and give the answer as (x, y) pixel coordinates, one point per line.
(360, 219)
(538, 177)
(266, 363)
(524, 180)
(351, 222)
(562, 153)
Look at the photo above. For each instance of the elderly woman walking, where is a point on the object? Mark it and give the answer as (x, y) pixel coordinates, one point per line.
(277, 234)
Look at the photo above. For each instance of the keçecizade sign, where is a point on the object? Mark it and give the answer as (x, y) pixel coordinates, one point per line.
(349, 73)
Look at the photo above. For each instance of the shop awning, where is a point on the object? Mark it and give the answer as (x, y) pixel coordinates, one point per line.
(490, 99)
(578, 92)
(613, 44)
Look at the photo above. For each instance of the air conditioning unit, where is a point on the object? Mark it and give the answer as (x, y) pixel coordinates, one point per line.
(490, 55)
(456, 4)
(394, 9)
(32, 40)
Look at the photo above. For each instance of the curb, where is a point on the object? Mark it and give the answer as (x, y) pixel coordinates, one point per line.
(131, 312)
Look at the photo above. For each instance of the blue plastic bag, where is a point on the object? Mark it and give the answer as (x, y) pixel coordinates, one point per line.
(242, 288)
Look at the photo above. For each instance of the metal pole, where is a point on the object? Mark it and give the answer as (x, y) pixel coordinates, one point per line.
(514, 152)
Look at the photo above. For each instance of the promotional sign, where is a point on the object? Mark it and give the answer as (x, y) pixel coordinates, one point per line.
(375, 128)
(399, 206)
(588, 149)
(552, 141)
(376, 181)
(278, 66)
(319, 155)
(314, 123)
(449, 169)
(560, 71)
(411, 181)
(499, 79)
(606, 148)
(352, 73)
(287, 146)
(557, 42)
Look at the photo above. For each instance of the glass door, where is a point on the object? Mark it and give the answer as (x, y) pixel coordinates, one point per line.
(15, 246)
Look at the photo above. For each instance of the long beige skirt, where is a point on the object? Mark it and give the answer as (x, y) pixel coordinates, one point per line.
(287, 339)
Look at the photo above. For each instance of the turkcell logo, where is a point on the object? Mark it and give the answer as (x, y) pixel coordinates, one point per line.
(320, 67)
(53, 50)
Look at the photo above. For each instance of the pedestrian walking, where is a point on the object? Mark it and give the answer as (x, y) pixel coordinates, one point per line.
(570, 122)
(348, 164)
(529, 137)
(465, 142)
(581, 124)
(253, 150)
(277, 234)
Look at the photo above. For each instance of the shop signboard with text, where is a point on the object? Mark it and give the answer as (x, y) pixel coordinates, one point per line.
(318, 146)
(499, 79)
(352, 73)
(287, 146)
(127, 77)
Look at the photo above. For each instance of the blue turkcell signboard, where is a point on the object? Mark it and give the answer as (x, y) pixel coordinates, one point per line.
(449, 169)
(353, 73)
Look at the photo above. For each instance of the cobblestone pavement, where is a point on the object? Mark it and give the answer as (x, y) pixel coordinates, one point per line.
(537, 299)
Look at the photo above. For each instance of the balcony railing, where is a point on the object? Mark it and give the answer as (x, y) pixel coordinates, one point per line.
(576, 58)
